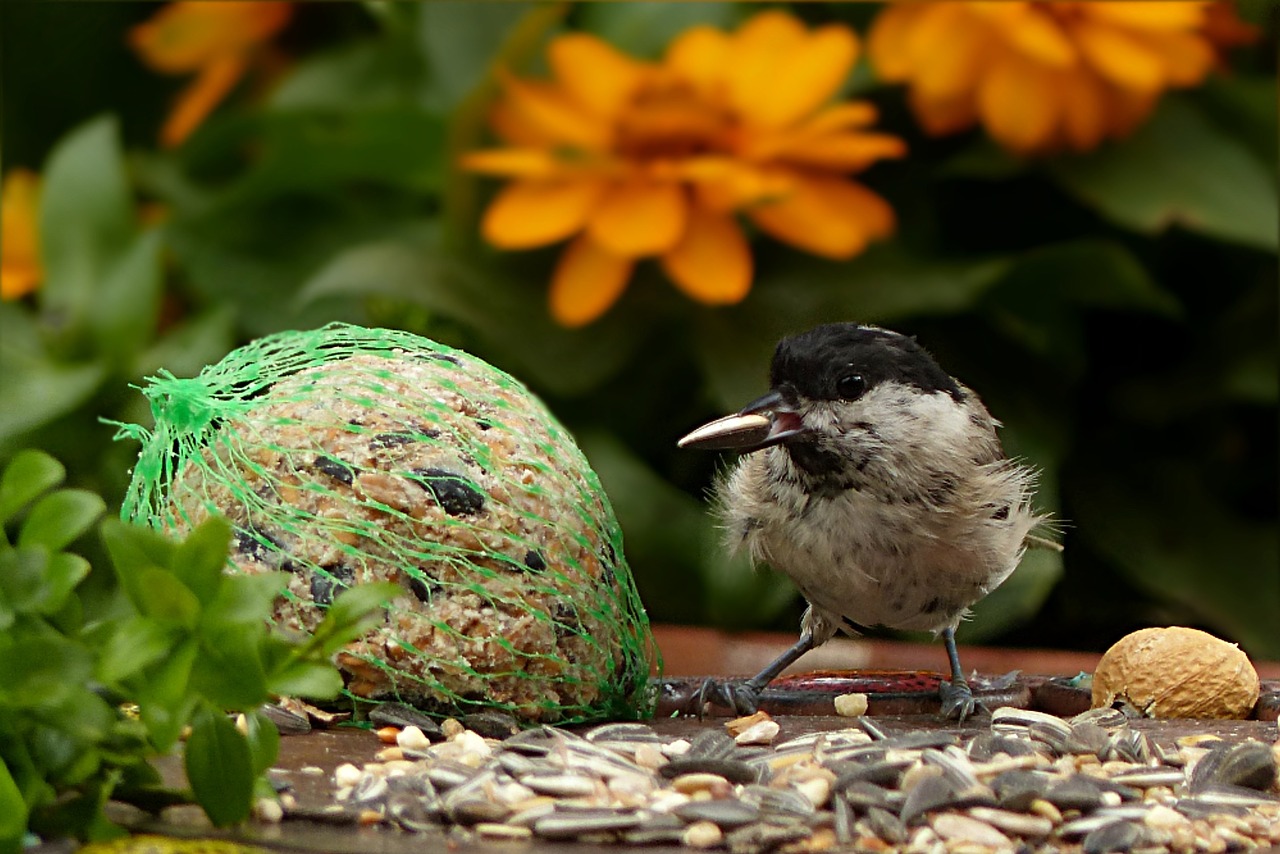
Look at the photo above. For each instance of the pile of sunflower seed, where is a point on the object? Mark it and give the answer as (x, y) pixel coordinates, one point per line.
(1033, 782)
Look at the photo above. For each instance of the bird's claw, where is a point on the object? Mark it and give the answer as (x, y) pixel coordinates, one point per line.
(958, 701)
(742, 697)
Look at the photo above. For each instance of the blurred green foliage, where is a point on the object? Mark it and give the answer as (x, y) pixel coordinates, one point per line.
(1117, 309)
(181, 639)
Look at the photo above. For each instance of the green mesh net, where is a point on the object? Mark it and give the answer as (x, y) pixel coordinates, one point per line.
(345, 455)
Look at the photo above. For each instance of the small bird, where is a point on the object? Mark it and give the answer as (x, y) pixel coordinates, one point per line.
(876, 482)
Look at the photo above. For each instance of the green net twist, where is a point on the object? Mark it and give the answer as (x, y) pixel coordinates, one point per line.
(345, 455)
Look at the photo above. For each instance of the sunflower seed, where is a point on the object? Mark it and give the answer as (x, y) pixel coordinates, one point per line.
(1121, 836)
(725, 813)
(569, 825)
(731, 769)
(626, 731)
(1249, 764)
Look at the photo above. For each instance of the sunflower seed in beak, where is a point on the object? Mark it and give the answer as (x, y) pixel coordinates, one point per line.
(728, 433)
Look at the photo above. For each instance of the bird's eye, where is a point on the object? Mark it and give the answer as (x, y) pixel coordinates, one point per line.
(851, 386)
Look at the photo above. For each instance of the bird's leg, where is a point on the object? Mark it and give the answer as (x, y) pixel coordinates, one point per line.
(744, 697)
(958, 702)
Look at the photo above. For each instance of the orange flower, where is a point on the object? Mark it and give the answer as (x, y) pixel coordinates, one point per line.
(20, 269)
(1042, 76)
(637, 160)
(215, 39)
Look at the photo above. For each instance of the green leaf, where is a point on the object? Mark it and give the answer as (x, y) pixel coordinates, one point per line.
(1245, 106)
(40, 672)
(352, 612)
(1172, 537)
(61, 575)
(142, 560)
(984, 160)
(60, 517)
(645, 29)
(326, 149)
(506, 313)
(1179, 168)
(37, 388)
(350, 77)
(401, 268)
(134, 644)
(13, 811)
(229, 672)
(86, 219)
(185, 350)
(133, 550)
(253, 256)
(887, 283)
(220, 768)
(29, 474)
(163, 694)
(127, 301)
(458, 42)
(245, 599)
(22, 578)
(200, 558)
(264, 740)
(311, 679)
(165, 599)
(1039, 301)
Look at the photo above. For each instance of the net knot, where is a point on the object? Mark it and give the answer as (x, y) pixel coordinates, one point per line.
(187, 406)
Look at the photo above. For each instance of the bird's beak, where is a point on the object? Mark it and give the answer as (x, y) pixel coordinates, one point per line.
(748, 429)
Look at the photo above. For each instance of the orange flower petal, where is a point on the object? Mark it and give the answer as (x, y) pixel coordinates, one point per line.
(933, 31)
(1119, 57)
(1037, 33)
(1127, 109)
(183, 36)
(639, 217)
(724, 184)
(700, 56)
(198, 100)
(826, 216)
(843, 152)
(1084, 110)
(1223, 27)
(548, 113)
(887, 43)
(587, 281)
(712, 262)
(798, 78)
(594, 72)
(757, 52)
(20, 268)
(941, 116)
(1148, 15)
(532, 213)
(514, 162)
(842, 116)
(1018, 103)
(955, 62)
(1187, 58)
(510, 125)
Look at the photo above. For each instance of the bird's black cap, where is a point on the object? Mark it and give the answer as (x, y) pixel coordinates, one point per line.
(813, 362)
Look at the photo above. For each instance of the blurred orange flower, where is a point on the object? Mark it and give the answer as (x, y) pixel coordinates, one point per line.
(20, 269)
(1044, 76)
(637, 159)
(215, 39)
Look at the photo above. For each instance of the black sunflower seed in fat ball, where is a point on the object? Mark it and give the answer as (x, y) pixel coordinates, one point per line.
(451, 491)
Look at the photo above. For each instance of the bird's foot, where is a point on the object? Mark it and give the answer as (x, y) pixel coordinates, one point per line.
(958, 701)
(741, 697)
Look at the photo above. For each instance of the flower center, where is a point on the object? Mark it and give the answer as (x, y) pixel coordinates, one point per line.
(667, 119)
